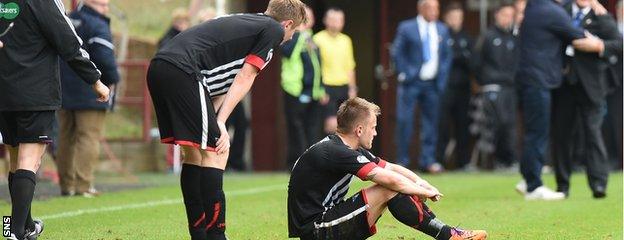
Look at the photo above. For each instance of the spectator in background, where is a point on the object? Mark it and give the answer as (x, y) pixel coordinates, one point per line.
(455, 100)
(496, 60)
(81, 119)
(612, 126)
(545, 28)
(304, 92)
(581, 99)
(423, 60)
(519, 5)
(338, 68)
(180, 22)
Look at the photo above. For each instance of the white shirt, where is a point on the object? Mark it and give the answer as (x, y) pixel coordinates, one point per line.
(575, 9)
(429, 69)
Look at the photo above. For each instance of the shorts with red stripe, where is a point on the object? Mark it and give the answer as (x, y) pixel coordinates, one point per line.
(346, 220)
(183, 107)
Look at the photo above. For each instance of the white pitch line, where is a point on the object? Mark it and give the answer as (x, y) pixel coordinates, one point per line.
(154, 203)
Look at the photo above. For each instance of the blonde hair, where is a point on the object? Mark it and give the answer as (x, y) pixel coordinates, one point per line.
(354, 111)
(283, 10)
(180, 14)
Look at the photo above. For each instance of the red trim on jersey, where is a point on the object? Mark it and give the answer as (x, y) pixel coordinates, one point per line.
(171, 140)
(167, 140)
(382, 163)
(364, 170)
(203, 216)
(255, 60)
(371, 227)
(215, 215)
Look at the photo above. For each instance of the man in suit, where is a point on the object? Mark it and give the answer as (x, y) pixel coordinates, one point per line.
(423, 59)
(582, 97)
(544, 31)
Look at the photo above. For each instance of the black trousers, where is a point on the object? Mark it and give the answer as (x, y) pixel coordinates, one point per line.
(497, 128)
(238, 120)
(612, 128)
(454, 121)
(571, 104)
(303, 122)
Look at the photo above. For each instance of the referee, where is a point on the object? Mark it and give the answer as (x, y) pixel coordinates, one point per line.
(34, 34)
(195, 82)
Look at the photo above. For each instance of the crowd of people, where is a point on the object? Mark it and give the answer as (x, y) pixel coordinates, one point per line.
(474, 94)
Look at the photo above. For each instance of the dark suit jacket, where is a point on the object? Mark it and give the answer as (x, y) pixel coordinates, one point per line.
(408, 56)
(546, 29)
(590, 69)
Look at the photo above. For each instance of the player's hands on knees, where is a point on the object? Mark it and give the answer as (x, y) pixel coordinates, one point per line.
(223, 144)
(102, 91)
(437, 195)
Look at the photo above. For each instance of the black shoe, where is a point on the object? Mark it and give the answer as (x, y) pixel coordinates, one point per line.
(564, 190)
(67, 193)
(33, 234)
(600, 192)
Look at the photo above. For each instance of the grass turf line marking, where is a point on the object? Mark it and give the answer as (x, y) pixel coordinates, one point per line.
(156, 203)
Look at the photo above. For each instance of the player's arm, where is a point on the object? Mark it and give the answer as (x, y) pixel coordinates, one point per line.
(403, 171)
(241, 85)
(399, 183)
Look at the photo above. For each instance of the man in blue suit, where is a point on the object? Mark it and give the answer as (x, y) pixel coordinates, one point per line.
(423, 59)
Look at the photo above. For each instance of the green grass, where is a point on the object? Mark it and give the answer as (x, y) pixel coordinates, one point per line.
(486, 201)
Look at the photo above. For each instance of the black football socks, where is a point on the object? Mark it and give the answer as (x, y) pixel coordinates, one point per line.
(22, 188)
(190, 181)
(412, 212)
(214, 202)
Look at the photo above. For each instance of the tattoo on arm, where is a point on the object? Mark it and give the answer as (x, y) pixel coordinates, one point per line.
(371, 176)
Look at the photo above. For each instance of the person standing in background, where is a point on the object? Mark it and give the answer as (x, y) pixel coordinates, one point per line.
(304, 92)
(581, 99)
(423, 59)
(612, 126)
(496, 61)
(520, 5)
(181, 21)
(81, 119)
(338, 68)
(455, 100)
(539, 71)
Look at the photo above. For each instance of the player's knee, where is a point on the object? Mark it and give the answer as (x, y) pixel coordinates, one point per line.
(214, 160)
(381, 192)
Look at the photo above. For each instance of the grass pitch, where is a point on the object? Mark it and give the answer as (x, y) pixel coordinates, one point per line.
(256, 205)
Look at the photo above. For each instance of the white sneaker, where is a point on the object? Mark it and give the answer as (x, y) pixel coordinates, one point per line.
(544, 193)
(521, 187)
